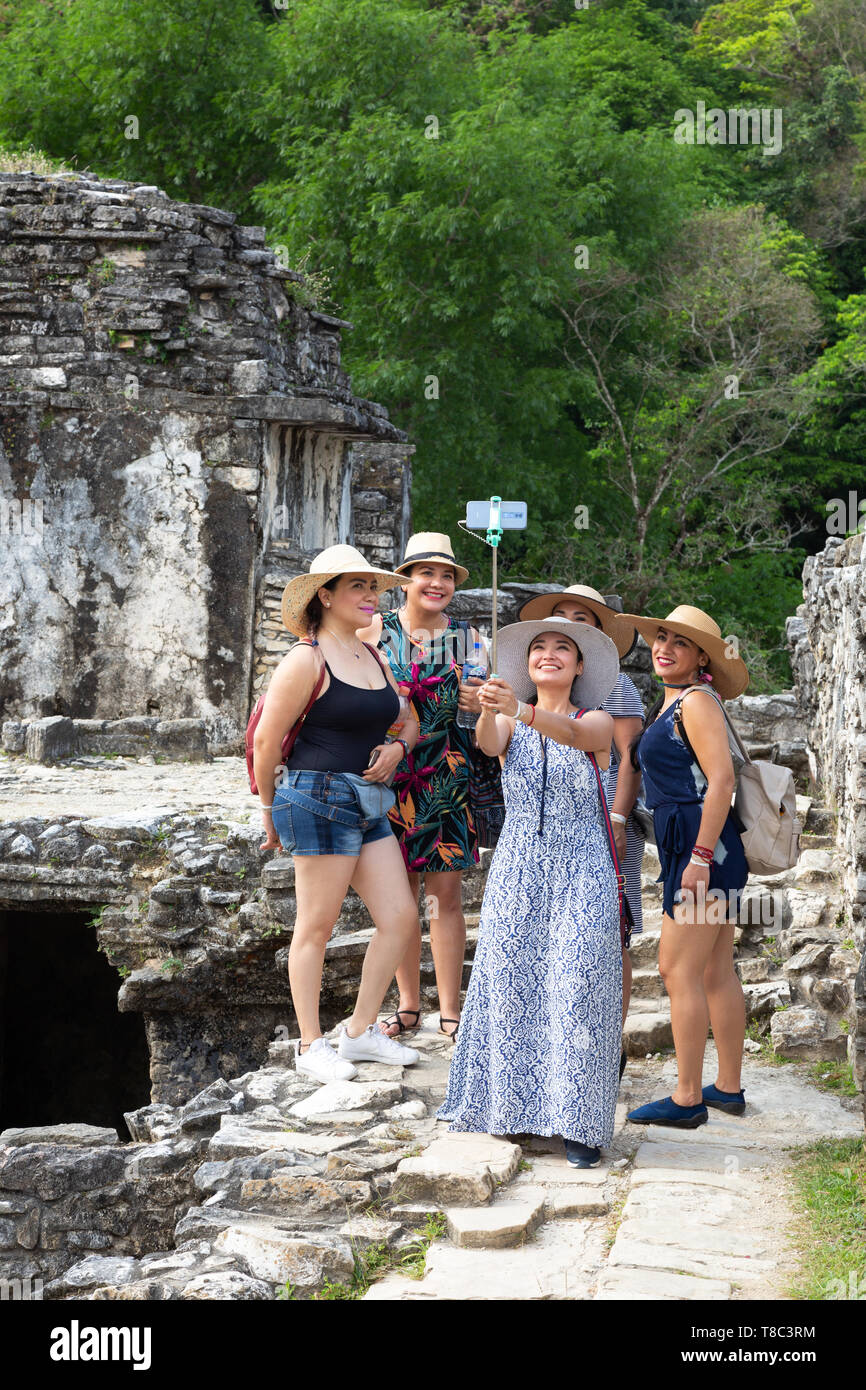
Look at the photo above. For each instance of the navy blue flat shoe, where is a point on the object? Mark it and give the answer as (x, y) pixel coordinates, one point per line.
(581, 1155)
(732, 1102)
(667, 1112)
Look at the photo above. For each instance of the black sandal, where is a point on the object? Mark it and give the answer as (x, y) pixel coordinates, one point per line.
(452, 1036)
(401, 1026)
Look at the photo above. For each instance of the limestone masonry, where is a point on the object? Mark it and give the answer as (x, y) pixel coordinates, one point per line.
(178, 438)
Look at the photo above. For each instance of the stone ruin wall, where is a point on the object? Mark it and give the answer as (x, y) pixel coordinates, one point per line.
(177, 438)
(828, 651)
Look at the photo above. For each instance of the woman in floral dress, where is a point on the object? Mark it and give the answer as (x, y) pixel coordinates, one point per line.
(432, 818)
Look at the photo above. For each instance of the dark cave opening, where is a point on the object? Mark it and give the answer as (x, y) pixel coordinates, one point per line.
(66, 1054)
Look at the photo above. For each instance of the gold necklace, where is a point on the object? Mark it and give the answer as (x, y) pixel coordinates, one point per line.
(356, 655)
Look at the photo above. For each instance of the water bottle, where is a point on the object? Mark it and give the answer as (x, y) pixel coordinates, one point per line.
(475, 666)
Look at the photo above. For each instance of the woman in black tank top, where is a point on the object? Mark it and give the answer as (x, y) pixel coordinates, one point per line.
(351, 700)
(344, 724)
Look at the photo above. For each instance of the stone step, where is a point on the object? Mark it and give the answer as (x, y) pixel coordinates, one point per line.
(647, 984)
(506, 1222)
(556, 1264)
(819, 819)
(647, 1031)
(625, 1284)
(644, 949)
(458, 1169)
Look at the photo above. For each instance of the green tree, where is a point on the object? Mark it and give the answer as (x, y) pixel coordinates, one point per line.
(446, 185)
(152, 91)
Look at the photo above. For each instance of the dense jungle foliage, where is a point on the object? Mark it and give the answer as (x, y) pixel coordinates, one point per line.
(658, 342)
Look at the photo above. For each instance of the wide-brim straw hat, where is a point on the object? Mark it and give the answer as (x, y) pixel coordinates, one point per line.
(730, 677)
(600, 659)
(435, 546)
(621, 634)
(327, 565)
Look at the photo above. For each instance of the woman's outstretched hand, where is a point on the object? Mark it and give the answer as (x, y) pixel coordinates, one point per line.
(497, 697)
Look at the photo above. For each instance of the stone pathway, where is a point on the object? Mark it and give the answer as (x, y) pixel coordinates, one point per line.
(294, 1180)
(118, 785)
(670, 1214)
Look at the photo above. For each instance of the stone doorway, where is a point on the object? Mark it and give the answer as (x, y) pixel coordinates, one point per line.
(66, 1054)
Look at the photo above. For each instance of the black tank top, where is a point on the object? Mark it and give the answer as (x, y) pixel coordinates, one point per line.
(343, 727)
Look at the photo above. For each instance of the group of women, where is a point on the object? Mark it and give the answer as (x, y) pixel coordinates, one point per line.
(375, 698)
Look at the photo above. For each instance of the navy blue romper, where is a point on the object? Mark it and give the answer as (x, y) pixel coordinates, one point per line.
(674, 787)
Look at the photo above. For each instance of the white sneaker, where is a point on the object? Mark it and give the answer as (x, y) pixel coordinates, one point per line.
(375, 1046)
(322, 1063)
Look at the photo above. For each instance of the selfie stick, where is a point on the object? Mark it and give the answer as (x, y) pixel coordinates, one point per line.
(497, 516)
(494, 536)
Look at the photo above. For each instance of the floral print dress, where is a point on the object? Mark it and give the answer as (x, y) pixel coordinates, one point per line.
(432, 818)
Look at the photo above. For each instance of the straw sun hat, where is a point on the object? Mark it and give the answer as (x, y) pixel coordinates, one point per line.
(327, 565)
(600, 659)
(431, 545)
(729, 673)
(611, 622)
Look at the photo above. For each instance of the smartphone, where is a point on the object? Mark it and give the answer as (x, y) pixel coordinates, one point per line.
(374, 757)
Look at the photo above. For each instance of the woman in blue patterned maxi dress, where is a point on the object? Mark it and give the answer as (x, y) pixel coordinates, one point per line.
(539, 1041)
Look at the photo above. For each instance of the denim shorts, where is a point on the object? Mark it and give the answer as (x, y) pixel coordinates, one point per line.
(334, 827)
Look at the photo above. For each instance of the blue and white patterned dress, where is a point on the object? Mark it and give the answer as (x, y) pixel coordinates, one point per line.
(539, 1041)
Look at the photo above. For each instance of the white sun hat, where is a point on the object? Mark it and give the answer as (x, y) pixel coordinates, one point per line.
(600, 659)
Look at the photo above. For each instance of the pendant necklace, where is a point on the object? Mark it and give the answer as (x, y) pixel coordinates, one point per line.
(356, 655)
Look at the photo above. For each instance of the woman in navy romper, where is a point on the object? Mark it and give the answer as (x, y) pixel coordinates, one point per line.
(688, 788)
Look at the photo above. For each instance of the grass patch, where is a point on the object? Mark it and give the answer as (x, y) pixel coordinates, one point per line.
(376, 1260)
(614, 1216)
(830, 1196)
(16, 161)
(370, 1265)
(413, 1260)
(835, 1076)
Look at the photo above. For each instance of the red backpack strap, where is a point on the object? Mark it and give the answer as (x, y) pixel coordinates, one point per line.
(289, 740)
(386, 669)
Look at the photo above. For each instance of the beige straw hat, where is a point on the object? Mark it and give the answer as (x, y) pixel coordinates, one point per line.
(328, 564)
(729, 673)
(431, 545)
(600, 659)
(543, 606)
